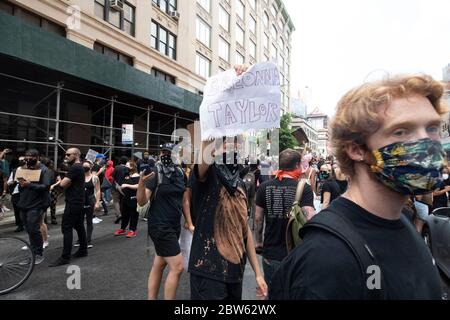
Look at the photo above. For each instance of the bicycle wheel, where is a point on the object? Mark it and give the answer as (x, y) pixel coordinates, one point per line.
(16, 263)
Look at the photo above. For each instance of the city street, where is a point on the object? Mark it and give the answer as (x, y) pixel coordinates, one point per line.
(117, 268)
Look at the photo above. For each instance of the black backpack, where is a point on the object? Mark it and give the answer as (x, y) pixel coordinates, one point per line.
(343, 229)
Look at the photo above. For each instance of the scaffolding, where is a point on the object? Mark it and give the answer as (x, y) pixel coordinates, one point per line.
(111, 104)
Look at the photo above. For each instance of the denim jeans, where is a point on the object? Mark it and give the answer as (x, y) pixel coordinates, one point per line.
(269, 267)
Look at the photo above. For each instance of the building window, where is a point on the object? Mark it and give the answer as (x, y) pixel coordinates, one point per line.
(116, 55)
(266, 41)
(224, 49)
(253, 4)
(240, 35)
(266, 20)
(240, 9)
(206, 4)
(281, 44)
(166, 6)
(224, 18)
(203, 66)
(123, 20)
(281, 25)
(252, 49)
(162, 75)
(274, 51)
(274, 10)
(274, 32)
(163, 41)
(32, 18)
(239, 58)
(203, 32)
(252, 25)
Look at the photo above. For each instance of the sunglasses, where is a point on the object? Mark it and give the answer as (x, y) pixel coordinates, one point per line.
(69, 154)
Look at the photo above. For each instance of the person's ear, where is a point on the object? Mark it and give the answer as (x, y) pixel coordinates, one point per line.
(355, 152)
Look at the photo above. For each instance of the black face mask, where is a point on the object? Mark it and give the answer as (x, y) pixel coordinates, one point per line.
(22, 163)
(86, 169)
(166, 160)
(31, 162)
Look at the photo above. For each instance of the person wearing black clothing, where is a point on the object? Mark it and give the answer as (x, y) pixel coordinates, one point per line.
(165, 188)
(440, 196)
(330, 189)
(130, 216)
(13, 187)
(315, 271)
(119, 174)
(274, 200)
(91, 199)
(222, 238)
(145, 161)
(34, 199)
(73, 183)
(386, 139)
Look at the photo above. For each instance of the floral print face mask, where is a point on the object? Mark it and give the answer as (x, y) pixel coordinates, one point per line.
(410, 168)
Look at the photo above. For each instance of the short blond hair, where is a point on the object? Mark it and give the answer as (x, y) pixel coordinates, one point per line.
(356, 114)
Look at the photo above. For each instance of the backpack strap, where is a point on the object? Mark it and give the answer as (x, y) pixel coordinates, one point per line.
(343, 229)
(299, 192)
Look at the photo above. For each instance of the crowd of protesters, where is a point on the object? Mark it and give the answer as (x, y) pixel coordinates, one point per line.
(387, 170)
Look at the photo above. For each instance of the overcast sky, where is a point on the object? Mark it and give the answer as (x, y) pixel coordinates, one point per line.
(340, 44)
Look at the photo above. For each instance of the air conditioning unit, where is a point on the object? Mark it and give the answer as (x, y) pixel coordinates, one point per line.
(116, 5)
(174, 15)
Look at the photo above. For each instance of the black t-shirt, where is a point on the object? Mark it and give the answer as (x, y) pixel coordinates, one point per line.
(441, 200)
(75, 193)
(333, 188)
(211, 256)
(96, 168)
(323, 266)
(119, 174)
(36, 195)
(343, 184)
(130, 194)
(192, 184)
(166, 209)
(276, 198)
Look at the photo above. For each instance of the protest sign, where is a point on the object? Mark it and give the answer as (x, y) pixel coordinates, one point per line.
(233, 104)
(91, 155)
(27, 174)
(127, 134)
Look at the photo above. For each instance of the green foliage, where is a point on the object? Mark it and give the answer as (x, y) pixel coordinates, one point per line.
(287, 140)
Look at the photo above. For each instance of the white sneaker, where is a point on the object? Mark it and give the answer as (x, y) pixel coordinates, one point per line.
(46, 244)
(25, 248)
(6, 209)
(76, 244)
(96, 220)
(90, 246)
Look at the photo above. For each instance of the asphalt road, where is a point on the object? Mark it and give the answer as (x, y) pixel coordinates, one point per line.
(116, 269)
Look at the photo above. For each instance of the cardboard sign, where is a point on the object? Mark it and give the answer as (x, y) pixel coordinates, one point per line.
(91, 155)
(29, 175)
(233, 104)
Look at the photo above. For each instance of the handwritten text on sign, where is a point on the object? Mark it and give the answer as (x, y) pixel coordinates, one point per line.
(235, 104)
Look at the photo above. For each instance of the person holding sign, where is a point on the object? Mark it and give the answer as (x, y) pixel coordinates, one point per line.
(222, 239)
(34, 185)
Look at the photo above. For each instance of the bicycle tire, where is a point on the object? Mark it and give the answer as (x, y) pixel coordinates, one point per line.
(15, 245)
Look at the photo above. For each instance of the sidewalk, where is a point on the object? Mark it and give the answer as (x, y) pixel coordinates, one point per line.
(7, 219)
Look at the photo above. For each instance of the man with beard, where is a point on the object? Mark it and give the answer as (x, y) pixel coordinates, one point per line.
(34, 185)
(73, 184)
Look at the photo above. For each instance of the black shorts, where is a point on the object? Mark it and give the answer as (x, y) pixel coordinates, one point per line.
(203, 288)
(165, 239)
